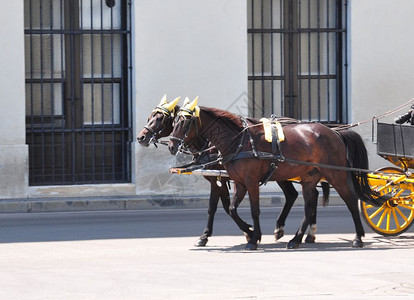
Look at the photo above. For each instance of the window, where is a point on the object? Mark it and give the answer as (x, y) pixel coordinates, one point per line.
(77, 102)
(297, 65)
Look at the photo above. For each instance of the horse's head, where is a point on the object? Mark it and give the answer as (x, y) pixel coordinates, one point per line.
(186, 126)
(160, 122)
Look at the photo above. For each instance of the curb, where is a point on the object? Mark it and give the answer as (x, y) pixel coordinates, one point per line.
(69, 204)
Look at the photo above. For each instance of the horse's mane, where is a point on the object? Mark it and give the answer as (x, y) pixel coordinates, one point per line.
(235, 119)
(230, 118)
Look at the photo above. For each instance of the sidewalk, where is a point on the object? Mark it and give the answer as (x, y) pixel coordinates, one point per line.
(59, 204)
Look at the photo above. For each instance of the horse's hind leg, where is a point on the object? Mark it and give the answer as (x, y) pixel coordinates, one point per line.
(215, 192)
(311, 237)
(291, 195)
(351, 202)
(310, 195)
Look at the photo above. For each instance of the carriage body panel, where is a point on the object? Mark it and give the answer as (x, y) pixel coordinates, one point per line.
(396, 144)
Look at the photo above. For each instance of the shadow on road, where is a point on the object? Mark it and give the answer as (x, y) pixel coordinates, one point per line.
(371, 243)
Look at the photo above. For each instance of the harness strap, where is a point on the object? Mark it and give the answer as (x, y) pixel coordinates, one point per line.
(149, 129)
(232, 156)
(276, 151)
(246, 128)
(272, 169)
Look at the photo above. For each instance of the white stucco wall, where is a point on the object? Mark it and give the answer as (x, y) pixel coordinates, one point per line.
(381, 61)
(13, 151)
(185, 48)
(199, 48)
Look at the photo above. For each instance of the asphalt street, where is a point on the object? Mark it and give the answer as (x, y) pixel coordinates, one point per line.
(155, 223)
(149, 254)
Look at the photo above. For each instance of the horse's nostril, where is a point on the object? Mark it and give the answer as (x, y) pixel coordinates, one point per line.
(140, 138)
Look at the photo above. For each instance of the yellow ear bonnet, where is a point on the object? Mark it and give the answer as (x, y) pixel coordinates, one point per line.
(192, 105)
(163, 100)
(190, 109)
(166, 108)
(170, 106)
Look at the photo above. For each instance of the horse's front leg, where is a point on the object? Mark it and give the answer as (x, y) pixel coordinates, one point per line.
(310, 196)
(290, 195)
(215, 192)
(255, 211)
(239, 193)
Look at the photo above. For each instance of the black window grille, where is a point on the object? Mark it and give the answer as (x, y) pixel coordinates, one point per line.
(297, 59)
(78, 120)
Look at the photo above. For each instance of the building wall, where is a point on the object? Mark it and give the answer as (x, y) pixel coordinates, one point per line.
(381, 62)
(185, 48)
(199, 48)
(13, 150)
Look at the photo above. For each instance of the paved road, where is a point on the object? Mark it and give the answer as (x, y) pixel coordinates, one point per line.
(149, 255)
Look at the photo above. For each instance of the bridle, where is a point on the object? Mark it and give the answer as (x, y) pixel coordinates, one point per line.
(166, 115)
(184, 113)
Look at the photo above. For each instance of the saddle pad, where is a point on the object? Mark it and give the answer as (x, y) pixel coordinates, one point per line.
(269, 126)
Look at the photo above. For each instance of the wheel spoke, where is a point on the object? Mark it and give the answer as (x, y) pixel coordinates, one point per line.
(397, 223)
(401, 214)
(387, 227)
(382, 217)
(376, 212)
(407, 207)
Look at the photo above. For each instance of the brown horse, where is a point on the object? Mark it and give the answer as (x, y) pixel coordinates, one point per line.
(160, 124)
(245, 156)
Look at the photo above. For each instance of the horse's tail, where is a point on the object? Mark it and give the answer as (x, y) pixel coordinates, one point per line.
(357, 157)
(325, 193)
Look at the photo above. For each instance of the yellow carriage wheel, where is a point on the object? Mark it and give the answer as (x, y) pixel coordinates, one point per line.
(397, 214)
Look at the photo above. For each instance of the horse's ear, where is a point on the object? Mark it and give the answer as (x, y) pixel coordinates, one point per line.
(163, 100)
(186, 101)
(170, 106)
(193, 104)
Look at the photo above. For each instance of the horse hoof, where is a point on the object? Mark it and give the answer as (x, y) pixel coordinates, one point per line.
(310, 239)
(248, 237)
(357, 244)
(201, 242)
(292, 245)
(279, 234)
(251, 246)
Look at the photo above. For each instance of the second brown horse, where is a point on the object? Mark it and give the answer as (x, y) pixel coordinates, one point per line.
(311, 143)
